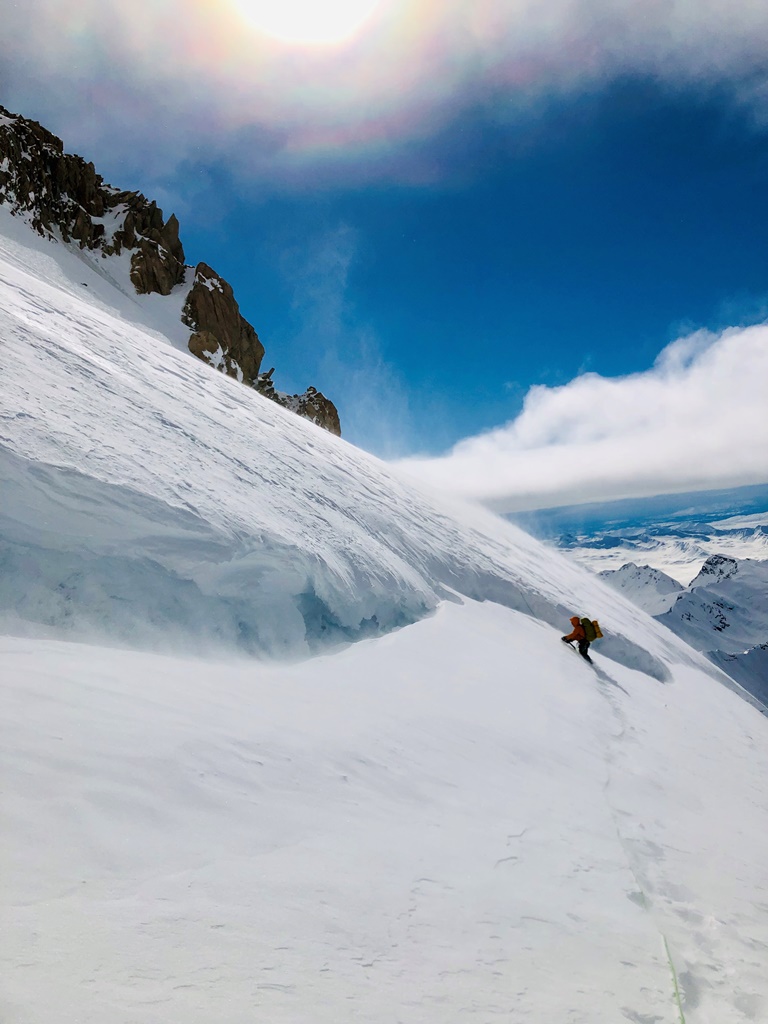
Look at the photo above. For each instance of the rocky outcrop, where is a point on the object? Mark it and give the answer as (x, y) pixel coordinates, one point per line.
(716, 568)
(312, 405)
(158, 263)
(62, 197)
(220, 335)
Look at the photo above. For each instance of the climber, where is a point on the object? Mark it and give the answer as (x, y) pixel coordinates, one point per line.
(578, 634)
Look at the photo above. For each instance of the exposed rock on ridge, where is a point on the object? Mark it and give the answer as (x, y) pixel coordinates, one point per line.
(221, 336)
(312, 405)
(62, 196)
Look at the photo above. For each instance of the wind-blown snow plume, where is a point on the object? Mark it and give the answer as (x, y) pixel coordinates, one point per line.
(375, 397)
(695, 420)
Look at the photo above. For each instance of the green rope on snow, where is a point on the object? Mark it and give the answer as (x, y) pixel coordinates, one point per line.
(674, 980)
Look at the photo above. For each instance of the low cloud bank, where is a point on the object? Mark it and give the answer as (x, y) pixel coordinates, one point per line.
(698, 419)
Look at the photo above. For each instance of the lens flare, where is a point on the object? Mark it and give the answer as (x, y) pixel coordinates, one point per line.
(307, 22)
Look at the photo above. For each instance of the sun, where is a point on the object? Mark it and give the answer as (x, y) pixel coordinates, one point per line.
(307, 21)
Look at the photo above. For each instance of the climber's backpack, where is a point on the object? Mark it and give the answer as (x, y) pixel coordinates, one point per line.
(596, 627)
(589, 630)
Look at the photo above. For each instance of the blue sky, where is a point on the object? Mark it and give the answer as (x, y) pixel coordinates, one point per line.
(587, 240)
(449, 208)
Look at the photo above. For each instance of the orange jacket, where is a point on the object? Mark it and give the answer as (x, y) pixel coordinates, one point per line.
(578, 630)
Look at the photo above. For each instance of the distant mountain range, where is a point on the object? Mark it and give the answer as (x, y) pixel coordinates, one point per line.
(673, 533)
(723, 613)
(697, 562)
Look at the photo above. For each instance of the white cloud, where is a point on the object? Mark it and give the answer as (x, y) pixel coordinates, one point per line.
(697, 419)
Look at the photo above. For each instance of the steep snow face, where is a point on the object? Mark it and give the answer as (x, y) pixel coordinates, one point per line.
(650, 589)
(153, 502)
(83, 275)
(460, 821)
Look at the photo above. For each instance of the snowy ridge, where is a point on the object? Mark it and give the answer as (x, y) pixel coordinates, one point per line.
(649, 588)
(198, 510)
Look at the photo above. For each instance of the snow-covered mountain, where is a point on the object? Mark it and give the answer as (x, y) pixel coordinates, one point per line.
(454, 818)
(678, 552)
(649, 588)
(725, 613)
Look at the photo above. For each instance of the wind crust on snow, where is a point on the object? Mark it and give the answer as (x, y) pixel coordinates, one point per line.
(62, 198)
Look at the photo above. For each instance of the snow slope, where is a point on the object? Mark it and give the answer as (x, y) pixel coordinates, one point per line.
(460, 821)
(749, 668)
(455, 821)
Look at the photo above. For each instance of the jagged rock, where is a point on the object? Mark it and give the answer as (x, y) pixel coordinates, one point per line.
(60, 194)
(266, 386)
(211, 310)
(716, 567)
(63, 194)
(312, 405)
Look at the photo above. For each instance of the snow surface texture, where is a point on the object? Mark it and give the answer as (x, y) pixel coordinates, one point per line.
(457, 821)
(460, 821)
(649, 588)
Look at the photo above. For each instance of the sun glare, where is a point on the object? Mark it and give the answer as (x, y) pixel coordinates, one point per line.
(307, 21)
